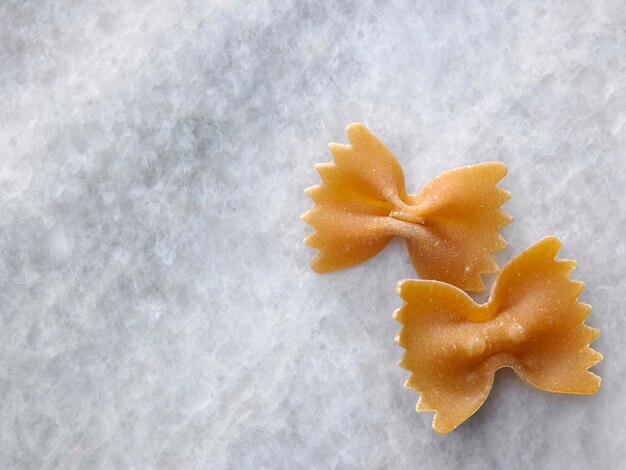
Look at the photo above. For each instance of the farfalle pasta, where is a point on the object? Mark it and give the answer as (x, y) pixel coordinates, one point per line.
(532, 323)
(451, 228)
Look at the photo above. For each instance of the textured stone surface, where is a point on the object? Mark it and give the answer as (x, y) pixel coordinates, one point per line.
(156, 305)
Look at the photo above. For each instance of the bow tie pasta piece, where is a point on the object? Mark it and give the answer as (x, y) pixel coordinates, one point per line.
(451, 228)
(532, 323)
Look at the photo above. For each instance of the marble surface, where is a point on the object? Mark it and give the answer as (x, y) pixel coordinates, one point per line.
(156, 305)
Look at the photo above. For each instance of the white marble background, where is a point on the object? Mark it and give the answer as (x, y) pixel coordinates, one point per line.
(156, 305)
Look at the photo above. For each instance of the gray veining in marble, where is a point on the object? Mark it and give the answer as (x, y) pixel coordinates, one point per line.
(156, 305)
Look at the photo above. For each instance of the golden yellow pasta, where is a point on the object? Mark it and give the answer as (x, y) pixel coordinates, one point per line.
(532, 323)
(451, 228)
